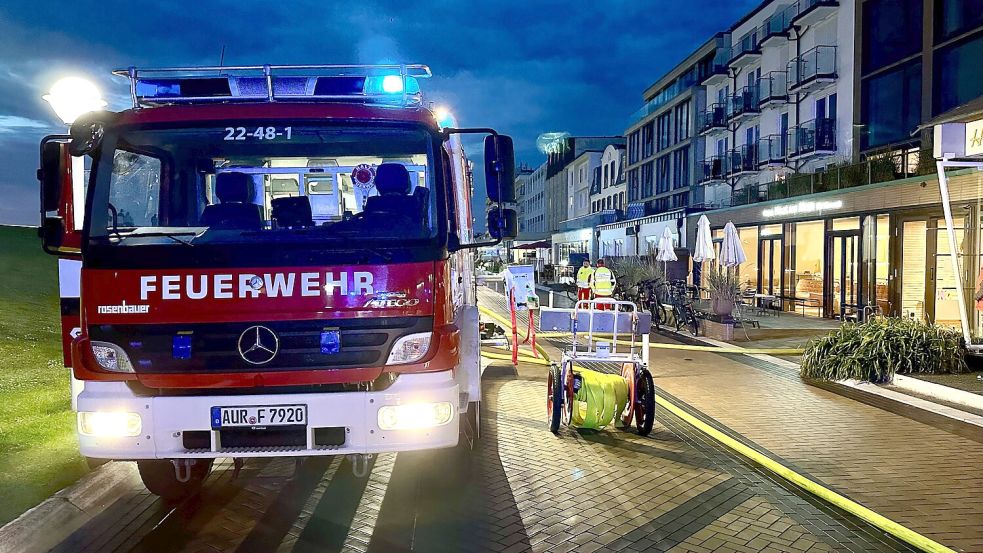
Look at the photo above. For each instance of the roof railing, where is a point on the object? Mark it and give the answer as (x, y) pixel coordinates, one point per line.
(387, 84)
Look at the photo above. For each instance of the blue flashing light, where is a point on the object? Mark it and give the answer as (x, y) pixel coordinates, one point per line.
(330, 341)
(390, 84)
(181, 346)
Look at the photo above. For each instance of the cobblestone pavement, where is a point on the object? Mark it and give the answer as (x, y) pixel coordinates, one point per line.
(522, 489)
(917, 474)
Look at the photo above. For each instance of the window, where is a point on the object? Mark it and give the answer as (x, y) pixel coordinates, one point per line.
(680, 167)
(647, 141)
(647, 180)
(955, 16)
(662, 174)
(605, 176)
(633, 147)
(134, 188)
(633, 190)
(957, 74)
(682, 122)
(892, 31)
(891, 105)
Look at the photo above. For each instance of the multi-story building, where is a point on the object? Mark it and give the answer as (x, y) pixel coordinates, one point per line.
(829, 175)
(569, 168)
(608, 184)
(530, 186)
(774, 104)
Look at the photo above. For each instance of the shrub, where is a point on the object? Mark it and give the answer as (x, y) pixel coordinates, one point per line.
(722, 284)
(879, 348)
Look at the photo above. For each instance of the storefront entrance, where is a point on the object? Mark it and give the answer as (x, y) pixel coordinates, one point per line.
(770, 269)
(843, 296)
(927, 287)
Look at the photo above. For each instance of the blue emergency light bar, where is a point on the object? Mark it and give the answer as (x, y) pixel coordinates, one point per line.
(376, 84)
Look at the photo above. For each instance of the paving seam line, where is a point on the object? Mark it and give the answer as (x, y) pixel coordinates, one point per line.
(881, 522)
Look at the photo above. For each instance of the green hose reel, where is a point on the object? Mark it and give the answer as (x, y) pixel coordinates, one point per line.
(598, 399)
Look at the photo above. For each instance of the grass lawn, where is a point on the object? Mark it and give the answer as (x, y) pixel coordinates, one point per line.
(38, 450)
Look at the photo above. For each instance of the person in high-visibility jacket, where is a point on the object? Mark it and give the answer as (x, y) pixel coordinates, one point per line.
(585, 276)
(603, 282)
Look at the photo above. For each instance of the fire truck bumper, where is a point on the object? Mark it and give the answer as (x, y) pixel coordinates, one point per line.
(418, 411)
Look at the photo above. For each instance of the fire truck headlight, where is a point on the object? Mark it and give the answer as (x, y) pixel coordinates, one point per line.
(410, 348)
(415, 415)
(109, 424)
(111, 357)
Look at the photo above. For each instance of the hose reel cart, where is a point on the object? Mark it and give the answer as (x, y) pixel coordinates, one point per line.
(584, 398)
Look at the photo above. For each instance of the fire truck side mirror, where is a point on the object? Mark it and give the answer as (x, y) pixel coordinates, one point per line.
(503, 224)
(500, 168)
(58, 233)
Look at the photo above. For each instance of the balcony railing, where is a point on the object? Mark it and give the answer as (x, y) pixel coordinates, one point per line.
(715, 117)
(747, 45)
(719, 65)
(777, 25)
(812, 9)
(815, 136)
(871, 171)
(744, 102)
(747, 158)
(715, 168)
(773, 87)
(772, 150)
(812, 66)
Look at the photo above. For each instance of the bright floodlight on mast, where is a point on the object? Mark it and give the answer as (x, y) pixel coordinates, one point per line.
(71, 97)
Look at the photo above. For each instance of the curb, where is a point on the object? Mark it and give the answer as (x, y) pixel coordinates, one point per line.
(939, 391)
(47, 524)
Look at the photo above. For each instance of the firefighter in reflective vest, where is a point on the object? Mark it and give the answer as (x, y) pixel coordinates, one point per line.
(603, 283)
(585, 276)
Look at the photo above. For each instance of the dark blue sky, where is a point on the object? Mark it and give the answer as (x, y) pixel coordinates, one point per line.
(523, 67)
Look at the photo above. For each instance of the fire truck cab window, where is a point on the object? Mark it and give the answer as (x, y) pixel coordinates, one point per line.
(169, 181)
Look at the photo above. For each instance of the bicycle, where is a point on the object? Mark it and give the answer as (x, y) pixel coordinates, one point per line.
(681, 299)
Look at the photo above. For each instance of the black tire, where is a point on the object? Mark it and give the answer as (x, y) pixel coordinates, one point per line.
(159, 477)
(644, 403)
(554, 399)
(694, 324)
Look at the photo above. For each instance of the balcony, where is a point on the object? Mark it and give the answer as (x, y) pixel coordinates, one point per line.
(775, 29)
(744, 160)
(812, 138)
(715, 169)
(717, 72)
(715, 117)
(772, 88)
(771, 151)
(812, 70)
(746, 50)
(810, 12)
(744, 104)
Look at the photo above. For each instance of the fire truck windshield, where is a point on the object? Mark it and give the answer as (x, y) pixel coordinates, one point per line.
(245, 181)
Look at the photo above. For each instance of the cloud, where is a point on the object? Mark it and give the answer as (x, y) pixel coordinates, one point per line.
(521, 66)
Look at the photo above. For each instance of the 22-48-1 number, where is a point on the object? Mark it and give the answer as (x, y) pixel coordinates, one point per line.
(261, 133)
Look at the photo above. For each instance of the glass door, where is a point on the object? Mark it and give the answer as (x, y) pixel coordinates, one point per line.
(844, 281)
(770, 265)
(946, 312)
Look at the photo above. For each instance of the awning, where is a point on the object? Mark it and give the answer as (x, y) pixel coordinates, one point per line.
(534, 245)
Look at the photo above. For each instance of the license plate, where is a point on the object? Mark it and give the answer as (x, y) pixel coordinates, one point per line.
(259, 416)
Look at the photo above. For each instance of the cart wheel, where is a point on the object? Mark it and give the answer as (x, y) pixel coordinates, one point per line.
(568, 377)
(554, 398)
(628, 415)
(644, 399)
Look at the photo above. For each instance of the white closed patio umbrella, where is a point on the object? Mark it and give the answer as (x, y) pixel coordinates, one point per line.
(667, 252)
(703, 251)
(731, 251)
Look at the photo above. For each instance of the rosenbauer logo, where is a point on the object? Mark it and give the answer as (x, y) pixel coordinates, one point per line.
(252, 285)
(122, 309)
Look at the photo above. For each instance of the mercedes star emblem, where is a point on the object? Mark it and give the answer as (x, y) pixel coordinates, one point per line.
(258, 345)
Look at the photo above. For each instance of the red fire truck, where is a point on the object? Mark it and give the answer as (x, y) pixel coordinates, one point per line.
(269, 261)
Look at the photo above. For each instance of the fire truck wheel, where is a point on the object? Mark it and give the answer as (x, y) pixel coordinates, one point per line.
(159, 477)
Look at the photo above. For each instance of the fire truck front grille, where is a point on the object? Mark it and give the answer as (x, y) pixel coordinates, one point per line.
(215, 347)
